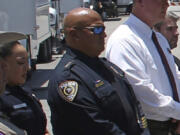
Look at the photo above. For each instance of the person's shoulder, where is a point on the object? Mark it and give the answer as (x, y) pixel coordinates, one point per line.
(121, 29)
(61, 69)
(122, 34)
(18, 90)
(64, 77)
(114, 67)
(123, 37)
(71, 82)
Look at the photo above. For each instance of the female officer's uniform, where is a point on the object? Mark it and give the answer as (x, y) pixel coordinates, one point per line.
(90, 96)
(24, 110)
(8, 128)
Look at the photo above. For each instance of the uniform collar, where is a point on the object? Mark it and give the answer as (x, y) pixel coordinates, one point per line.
(77, 54)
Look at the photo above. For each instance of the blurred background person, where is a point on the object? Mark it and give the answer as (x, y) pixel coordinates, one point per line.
(21, 106)
(99, 8)
(169, 28)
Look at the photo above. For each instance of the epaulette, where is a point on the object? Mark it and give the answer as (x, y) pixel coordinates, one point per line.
(69, 64)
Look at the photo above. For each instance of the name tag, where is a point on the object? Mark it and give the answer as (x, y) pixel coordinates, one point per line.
(20, 106)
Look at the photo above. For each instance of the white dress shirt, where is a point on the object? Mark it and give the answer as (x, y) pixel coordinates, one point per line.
(131, 48)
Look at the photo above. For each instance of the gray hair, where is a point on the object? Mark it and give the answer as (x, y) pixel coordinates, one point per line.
(170, 15)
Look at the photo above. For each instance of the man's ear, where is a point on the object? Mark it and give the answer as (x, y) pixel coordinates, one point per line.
(74, 34)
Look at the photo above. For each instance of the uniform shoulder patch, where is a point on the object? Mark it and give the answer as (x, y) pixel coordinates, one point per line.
(68, 90)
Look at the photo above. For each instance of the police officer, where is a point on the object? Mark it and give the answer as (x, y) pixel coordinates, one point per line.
(21, 106)
(6, 126)
(89, 95)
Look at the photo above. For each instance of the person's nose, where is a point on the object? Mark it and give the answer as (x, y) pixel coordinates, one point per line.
(176, 32)
(104, 34)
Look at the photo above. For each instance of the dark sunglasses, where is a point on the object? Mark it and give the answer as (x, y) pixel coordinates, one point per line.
(97, 30)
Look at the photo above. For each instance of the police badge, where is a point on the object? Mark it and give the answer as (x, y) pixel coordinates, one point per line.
(68, 90)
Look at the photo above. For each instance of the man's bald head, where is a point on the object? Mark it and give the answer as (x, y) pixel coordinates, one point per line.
(80, 17)
(79, 25)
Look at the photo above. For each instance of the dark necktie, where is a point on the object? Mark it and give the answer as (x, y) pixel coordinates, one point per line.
(166, 67)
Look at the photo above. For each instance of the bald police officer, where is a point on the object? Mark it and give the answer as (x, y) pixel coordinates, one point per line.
(6, 127)
(89, 95)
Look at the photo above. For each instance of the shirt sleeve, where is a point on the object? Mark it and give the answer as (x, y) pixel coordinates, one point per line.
(134, 63)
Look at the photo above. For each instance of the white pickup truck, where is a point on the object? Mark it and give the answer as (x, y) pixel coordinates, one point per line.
(174, 6)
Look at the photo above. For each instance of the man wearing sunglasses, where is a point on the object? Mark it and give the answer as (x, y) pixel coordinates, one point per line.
(89, 95)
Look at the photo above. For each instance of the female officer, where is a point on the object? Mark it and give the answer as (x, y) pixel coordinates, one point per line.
(24, 110)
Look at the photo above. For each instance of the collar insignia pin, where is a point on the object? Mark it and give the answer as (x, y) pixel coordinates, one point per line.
(99, 83)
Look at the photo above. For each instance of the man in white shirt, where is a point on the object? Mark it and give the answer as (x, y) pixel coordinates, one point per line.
(131, 48)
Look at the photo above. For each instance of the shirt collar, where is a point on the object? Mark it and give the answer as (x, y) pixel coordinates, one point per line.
(140, 25)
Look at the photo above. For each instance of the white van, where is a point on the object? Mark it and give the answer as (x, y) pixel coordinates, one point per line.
(125, 5)
(174, 6)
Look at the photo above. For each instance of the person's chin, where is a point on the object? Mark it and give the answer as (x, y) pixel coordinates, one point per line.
(22, 82)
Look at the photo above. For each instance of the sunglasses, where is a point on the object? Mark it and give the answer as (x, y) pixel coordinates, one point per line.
(97, 30)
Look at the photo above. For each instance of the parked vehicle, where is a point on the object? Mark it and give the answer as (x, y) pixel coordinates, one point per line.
(124, 6)
(174, 5)
(112, 8)
(33, 19)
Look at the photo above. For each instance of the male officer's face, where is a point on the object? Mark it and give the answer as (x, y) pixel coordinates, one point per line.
(93, 35)
(3, 77)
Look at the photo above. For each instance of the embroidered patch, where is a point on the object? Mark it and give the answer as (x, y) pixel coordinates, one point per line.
(68, 90)
(144, 122)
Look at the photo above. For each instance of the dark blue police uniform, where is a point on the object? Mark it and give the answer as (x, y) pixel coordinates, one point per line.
(24, 110)
(90, 96)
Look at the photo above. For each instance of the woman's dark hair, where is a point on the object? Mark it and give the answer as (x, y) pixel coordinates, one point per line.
(6, 49)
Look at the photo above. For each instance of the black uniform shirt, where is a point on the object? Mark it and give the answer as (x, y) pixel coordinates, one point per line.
(24, 110)
(82, 113)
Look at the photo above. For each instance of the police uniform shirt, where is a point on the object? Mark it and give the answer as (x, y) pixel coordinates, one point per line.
(23, 110)
(8, 128)
(74, 108)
